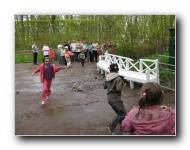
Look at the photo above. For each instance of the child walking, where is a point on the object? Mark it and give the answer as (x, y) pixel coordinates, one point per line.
(150, 117)
(81, 57)
(114, 85)
(51, 54)
(68, 55)
(47, 73)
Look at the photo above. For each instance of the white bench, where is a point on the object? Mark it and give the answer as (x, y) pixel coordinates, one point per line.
(144, 70)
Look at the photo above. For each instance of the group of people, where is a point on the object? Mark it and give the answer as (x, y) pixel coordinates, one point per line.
(148, 118)
(76, 51)
(47, 52)
(81, 51)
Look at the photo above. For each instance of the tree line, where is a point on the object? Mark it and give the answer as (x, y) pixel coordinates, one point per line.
(129, 33)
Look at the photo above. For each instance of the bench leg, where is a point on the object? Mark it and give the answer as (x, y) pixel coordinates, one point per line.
(106, 73)
(102, 71)
(131, 84)
(98, 69)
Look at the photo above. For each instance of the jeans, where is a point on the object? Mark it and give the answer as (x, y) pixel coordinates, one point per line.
(59, 57)
(119, 109)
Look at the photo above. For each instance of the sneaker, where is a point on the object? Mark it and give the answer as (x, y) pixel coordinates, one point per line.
(47, 97)
(111, 132)
(43, 102)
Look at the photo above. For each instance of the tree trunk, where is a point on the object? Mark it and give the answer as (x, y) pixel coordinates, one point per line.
(23, 31)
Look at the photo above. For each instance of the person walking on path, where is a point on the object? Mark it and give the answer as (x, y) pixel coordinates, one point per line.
(47, 74)
(35, 53)
(95, 47)
(78, 49)
(81, 57)
(103, 48)
(68, 55)
(59, 47)
(90, 50)
(73, 50)
(114, 85)
(150, 117)
(85, 49)
(51, 55)
(62, 50)
(68, 45)
(45, 50)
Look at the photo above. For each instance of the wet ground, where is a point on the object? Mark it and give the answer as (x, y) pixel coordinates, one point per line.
(77, 106)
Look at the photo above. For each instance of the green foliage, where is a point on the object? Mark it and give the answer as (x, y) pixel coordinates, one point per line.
(138, 36)
(27, 58)
(165, 75)
(148, 29)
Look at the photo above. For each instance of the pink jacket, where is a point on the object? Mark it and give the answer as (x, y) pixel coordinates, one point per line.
(41, 70)
(153, 120)
(51, 54)
(67, 55)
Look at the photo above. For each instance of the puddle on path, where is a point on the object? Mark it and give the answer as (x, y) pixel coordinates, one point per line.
(52, 111)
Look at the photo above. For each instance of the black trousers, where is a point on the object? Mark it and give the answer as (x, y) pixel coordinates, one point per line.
(63, 61)
(95, 55)
(35, 55)
(119, 109)
(91, 56)
(76, 54)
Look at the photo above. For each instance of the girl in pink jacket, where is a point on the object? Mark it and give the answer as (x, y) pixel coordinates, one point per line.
(67, 55)
(47, 73)
(150, 118)
(51, 54)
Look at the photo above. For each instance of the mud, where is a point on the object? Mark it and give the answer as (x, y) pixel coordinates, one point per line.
(77, 106)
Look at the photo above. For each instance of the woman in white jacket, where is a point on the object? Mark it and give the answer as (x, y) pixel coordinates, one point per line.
(45, 50)
(95, 47)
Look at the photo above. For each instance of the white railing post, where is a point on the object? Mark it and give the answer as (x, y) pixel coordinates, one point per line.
(157, 71)
(140, 66)
(127, 64)
(120, 63)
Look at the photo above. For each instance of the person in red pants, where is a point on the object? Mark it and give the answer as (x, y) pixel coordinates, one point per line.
(47, 73)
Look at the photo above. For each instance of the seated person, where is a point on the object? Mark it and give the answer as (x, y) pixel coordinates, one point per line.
(150, 117)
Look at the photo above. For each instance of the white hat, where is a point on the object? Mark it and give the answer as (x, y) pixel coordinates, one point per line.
(66, 47)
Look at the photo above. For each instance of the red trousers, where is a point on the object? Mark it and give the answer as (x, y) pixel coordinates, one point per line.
(46, 91)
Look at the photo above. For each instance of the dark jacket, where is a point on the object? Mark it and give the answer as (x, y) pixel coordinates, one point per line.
(114, 85)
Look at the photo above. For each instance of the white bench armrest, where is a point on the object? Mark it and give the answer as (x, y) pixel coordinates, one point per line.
(148, 73)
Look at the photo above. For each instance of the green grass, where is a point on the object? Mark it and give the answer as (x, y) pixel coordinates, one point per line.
(27, 58)
(165, 75)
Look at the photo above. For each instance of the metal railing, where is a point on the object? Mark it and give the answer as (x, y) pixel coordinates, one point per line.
(170, 83)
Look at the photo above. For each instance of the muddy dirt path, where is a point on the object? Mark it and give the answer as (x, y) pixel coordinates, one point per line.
(77, 106)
